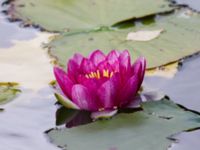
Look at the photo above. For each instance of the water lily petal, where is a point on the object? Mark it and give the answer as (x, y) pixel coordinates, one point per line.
(66, 102)
(108, 92)
(135, 102)
(96, 57)
(125, 66)
(87, 66)
(138, 68)
(92, 84)
(102, 82)
(83, 98)
(72, 70)
(139, 63)
(64, 82)
(152, 95)
(103, 114)
(77, 58)
(104, 65)
(129, 91)
(125, 61)
(112, 59)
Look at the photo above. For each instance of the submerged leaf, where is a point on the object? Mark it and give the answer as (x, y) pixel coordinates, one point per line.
(8, 92)
(154, 125)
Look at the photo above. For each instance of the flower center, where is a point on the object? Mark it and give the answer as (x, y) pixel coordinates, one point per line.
(97, 74)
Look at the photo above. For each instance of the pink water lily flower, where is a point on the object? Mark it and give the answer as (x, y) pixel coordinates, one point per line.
(100, 83)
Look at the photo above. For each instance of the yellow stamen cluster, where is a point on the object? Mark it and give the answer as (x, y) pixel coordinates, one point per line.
(93, 75)
(97, 75)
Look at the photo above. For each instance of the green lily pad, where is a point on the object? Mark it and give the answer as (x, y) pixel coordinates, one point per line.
(180, 38)
(84, 14)
(154, 126)
(8, 91)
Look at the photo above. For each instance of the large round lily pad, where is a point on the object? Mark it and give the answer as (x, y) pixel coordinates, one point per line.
(150, 129)
(180, 38)
(70, 15)
(8, 91)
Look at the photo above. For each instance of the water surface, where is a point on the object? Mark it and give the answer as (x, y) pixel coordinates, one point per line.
(194, 4)
(26, 118)
(183, 89)
(10, 32)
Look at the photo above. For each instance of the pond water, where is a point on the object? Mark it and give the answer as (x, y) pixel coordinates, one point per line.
(184, 90)
(10, 32)
(194, 4)
(33, 112)
(26, 118)
(24, 121)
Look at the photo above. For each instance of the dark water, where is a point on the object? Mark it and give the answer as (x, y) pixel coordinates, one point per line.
(194, 4)
(25, 119)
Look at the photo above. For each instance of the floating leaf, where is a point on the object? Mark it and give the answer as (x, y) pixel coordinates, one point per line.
(180, 39)
(8, 92)
(84, 14)
(153, 126)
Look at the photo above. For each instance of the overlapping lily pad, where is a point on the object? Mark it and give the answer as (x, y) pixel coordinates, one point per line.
(153, 126)
(84, 14)
(8, 91)
(180, 38)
